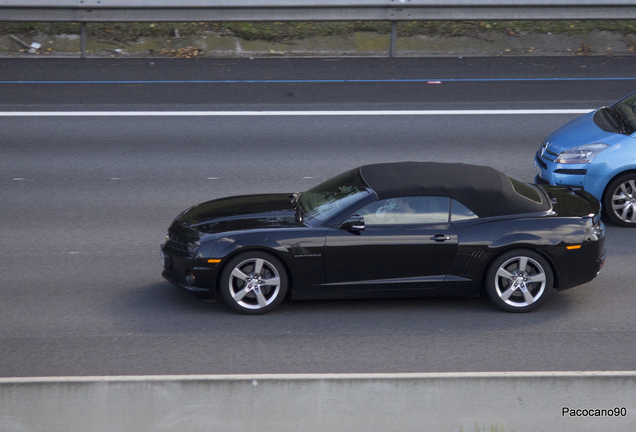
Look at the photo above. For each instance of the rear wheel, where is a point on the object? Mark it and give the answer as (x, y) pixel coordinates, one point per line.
(253, 283)
(519, 280)
(619, 201)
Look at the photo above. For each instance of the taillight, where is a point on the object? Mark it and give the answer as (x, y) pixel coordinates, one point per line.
(594, 230)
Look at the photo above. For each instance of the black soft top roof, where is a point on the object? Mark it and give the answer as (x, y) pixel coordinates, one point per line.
(484, 190)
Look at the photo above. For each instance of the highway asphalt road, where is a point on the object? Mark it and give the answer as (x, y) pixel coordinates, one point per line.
(86, 201)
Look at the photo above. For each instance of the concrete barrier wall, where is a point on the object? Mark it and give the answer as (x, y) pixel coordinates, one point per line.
(488, 402)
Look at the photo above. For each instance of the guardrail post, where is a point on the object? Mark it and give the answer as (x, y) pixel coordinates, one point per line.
(392, 49)
(83, 40)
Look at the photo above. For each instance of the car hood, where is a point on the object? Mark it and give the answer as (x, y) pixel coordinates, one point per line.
(240, 213)
(579, 131)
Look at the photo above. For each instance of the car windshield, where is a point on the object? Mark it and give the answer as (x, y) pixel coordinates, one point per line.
(329, 198)
(626, 108)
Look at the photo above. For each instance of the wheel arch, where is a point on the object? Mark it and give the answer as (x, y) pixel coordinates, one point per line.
(256, 248)
(617, 175)
(501, 251)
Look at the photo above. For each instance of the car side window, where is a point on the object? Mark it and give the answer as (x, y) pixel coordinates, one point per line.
(460, 212)
(407, 210)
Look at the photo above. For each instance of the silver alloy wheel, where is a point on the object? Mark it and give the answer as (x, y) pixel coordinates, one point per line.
(520, 281)
(254, 283)
(624, 202)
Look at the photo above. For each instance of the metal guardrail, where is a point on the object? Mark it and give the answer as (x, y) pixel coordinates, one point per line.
(86, 11)
(311, 10)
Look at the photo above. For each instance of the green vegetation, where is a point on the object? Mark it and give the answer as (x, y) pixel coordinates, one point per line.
(281, 31)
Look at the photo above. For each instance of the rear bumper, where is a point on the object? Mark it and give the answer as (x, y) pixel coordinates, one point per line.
(581, 266)
(601, 261)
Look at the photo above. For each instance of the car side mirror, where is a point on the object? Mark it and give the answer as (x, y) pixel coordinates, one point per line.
(354, 224)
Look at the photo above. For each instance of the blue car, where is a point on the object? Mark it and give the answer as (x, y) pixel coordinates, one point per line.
(597, 152)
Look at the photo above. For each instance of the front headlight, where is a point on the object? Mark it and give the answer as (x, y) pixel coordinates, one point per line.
(193, 247)
(581, 154)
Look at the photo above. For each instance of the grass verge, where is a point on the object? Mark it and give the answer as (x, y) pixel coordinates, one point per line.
(281, 31)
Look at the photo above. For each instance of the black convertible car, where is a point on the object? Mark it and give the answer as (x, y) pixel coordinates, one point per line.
(390, 230)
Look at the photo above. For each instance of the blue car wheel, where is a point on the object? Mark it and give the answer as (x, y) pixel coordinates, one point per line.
(619, 201)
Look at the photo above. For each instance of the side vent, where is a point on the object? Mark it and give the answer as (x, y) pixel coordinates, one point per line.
(470, 264)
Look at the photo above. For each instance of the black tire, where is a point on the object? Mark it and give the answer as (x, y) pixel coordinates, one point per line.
(512, 288)
(619, 200)
(248, 290)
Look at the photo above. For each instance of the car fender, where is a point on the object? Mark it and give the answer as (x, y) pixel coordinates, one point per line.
(228, 246)
(540, 234)
(494, 253)
(611, 162)
(517, 239)
(520, 241)
(301, 255)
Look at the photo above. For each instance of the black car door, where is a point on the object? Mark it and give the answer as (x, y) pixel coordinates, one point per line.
(407, 243)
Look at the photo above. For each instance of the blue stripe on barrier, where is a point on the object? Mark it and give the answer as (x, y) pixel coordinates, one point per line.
(309, 81)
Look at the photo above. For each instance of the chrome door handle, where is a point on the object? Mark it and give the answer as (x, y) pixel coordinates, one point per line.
(440, 237)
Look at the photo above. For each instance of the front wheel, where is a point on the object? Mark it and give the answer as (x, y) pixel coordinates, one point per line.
(519, 281)
(619, 201)
(253, 283)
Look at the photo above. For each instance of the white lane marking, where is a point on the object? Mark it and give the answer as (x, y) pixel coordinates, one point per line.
(317, 376)
(18, 179)
(283, 113)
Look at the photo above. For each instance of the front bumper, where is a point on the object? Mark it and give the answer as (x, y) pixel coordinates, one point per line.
(557, 174)
(193, 275)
